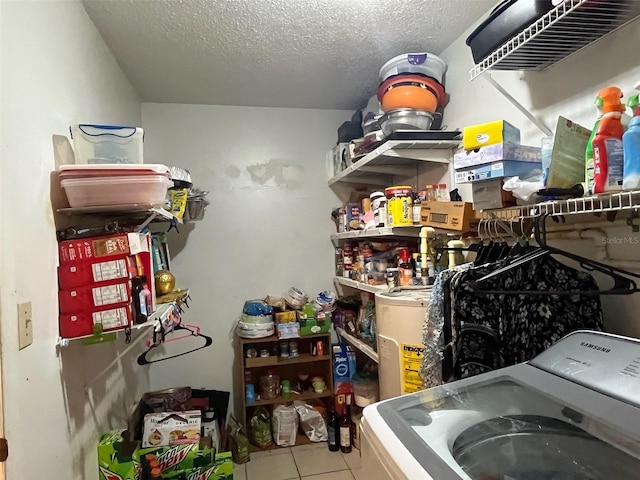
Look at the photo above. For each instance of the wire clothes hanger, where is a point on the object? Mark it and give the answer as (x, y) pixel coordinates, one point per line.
(622, 285)
(159, 338)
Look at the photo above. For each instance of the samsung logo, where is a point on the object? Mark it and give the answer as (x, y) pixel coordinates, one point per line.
(595, 347)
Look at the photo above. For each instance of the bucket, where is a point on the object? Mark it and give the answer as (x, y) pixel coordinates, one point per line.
(399, 206)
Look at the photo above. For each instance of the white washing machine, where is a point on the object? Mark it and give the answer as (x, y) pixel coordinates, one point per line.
(399, 321)
(572, 413)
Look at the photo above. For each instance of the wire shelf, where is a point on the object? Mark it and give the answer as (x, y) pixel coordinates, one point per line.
(560, 33)
(605, 203)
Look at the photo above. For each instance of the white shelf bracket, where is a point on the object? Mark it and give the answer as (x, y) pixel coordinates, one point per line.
(536, 121)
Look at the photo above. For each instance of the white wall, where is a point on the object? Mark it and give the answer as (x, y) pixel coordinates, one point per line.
(56, 71)
(567, 89)
(269, 223)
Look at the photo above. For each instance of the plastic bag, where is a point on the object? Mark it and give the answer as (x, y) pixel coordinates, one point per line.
(311, 421)
(284, 425)
(239, 441)
(525, 188)
(260, 428)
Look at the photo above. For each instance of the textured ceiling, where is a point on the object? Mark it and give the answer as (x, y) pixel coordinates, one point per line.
(277, 53)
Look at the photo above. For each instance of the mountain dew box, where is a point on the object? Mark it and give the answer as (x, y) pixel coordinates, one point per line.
(115, 457)
(120, 459)
(178, 459)
(221, 469)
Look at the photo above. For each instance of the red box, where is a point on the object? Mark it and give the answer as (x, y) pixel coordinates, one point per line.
(94, 248)
(93, 298)
(73, 275)
(81, 324)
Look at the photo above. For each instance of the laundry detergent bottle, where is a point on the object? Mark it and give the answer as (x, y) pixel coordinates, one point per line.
(608, 100)
(608, 157)
(631, 148)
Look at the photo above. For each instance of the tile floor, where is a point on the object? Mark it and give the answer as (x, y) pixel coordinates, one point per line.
(306, 462)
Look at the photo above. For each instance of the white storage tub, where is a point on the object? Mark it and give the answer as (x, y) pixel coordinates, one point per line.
(423, 63)
(98, 144)
(102, 191)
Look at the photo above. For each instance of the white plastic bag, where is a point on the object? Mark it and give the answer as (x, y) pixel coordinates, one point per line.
(525, 188)
(284, 425)
(312, 422)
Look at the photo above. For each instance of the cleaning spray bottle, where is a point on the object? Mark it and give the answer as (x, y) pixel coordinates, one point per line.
(608, 100)
(608, 158)
(631, 147)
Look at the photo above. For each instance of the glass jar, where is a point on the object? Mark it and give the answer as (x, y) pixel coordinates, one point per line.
(443, 193)
(431, 193)
(269, 386)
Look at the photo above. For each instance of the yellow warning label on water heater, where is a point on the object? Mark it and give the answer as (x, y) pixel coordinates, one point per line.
(411, 362)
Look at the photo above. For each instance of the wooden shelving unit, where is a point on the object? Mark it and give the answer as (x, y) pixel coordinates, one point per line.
(287, 369)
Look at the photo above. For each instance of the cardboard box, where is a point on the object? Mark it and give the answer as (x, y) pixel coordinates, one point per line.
(489, 194)
(115, 457)
(288, 330)
(286, 317)
(72, 275)
(458, 216)
(352, 212)
(171, 428)
(496, 153)
(91, 299)
(177, 459)
(490, 133)
(81, 324)
(508, 168)
(103, 248)
(313, 326)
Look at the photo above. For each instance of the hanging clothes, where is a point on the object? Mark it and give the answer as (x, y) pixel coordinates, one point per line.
(495, 331)
(478, 332)
(433, 337)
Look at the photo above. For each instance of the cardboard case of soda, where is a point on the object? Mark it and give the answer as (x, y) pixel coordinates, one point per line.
(121, 459)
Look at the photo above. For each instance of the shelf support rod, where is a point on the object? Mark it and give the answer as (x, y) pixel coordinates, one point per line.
(543, 128)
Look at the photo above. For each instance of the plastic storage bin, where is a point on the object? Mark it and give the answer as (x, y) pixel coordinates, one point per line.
(101, 170)
(98, 144)
(101, 191)
(422, 63)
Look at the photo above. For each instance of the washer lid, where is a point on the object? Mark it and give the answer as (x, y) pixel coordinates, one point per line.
(406, 298)
(503, 429)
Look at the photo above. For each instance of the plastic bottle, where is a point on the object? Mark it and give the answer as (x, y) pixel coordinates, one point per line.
(443, 193)
(631, 148)
(333, 430)
(607, 101)
(608, 159)
(406, 270)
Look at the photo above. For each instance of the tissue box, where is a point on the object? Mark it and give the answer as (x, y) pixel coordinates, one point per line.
(489, 194)
(507, 168)
(477, 136)
(496, 153)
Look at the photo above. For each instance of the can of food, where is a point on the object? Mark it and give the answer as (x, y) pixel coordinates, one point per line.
(393, 277)
(399, 206)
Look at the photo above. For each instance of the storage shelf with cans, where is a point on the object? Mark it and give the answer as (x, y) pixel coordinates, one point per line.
(389, 234)
(563, 31)
(396, 157)
(358, 344)
(257, 356)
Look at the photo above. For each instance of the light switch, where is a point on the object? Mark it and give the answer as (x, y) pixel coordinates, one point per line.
(25, 325)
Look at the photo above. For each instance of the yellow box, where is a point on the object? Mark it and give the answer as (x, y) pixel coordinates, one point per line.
(286, 317)
(491, 133)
